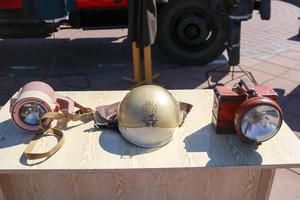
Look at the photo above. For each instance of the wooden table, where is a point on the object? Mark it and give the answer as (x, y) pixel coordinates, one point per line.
(93, 164)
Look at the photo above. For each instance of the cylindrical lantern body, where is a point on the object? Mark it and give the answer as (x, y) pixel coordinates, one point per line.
(33, 100)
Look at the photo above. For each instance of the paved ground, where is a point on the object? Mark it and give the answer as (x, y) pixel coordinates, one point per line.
(96, 60)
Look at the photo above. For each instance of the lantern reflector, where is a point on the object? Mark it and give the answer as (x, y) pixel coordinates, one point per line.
(30, 113)
(258, 119)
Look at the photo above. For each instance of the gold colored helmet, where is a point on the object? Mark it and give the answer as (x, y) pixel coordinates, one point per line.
(148, 116)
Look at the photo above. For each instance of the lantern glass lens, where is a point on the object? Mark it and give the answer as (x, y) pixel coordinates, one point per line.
(30, 113)
(261, 122)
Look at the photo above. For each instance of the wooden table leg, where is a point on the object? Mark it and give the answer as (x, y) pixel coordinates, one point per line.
(6, 191)
(265, 184)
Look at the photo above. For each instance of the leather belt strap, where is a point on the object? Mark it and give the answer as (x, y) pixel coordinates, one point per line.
(83, 114)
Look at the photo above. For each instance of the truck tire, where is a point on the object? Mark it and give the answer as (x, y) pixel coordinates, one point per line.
(191, 31)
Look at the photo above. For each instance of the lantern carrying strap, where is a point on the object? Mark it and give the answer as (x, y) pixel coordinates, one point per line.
(29, 154)
(49, 131)
(83, 114)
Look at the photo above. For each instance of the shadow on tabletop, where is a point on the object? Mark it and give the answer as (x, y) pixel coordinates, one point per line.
(113, 142)
(222, 150)
(87, 64)
(11, 135)
(24, 161)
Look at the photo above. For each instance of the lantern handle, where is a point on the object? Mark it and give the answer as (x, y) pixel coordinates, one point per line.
(249, 89)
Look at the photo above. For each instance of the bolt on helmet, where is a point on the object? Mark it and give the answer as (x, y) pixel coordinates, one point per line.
(148, 116)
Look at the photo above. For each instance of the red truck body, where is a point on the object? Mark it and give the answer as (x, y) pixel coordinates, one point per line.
(81, 4)
(10, 4)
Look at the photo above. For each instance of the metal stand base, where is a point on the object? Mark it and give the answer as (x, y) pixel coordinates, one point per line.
(142, 82)
(149, 77)
(233, 71)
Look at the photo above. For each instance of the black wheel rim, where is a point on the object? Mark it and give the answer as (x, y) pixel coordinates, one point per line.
(193, 29)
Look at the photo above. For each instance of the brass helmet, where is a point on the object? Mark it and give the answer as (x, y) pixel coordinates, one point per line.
(148, 116)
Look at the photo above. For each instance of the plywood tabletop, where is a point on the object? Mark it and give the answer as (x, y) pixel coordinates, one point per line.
(195, 144)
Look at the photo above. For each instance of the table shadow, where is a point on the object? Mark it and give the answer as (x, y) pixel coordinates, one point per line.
(286, 99)
(295, 38)
(11, 135)
(222, 150)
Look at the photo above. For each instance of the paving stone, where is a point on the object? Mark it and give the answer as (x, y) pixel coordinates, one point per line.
(107, 81)
(280, 83)
(4, 99)
(178, 79)
(225, 77)
(295, 92)
(7, 82)
(264, 57)
(203, 85)
(57, 84)
(250, 62)
(260, 77)
(269, 68)
(296, 170)
(20, 81)
(292, 75)
(284, 61)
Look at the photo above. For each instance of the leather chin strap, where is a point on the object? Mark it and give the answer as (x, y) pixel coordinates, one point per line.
(83, 114)
(106, 116)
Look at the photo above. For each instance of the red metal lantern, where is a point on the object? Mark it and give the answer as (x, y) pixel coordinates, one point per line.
(251, 112)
